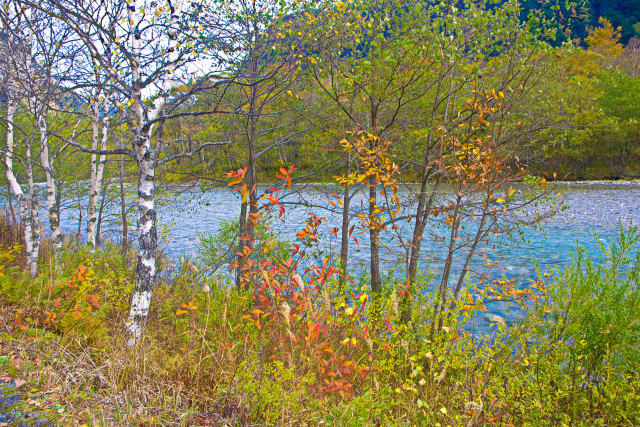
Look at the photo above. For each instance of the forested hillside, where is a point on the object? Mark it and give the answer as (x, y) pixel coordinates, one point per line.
(586, 13)
(591, 94)
(623, 13)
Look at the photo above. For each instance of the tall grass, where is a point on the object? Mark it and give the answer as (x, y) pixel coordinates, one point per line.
(305, 355)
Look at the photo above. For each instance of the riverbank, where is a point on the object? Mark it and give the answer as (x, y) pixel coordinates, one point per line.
(188, 220)
(212, 354)
(331, 181)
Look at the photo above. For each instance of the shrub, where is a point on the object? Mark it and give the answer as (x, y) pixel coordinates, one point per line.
(583, 338)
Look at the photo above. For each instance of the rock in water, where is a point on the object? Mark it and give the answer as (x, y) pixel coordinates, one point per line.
(494, 318)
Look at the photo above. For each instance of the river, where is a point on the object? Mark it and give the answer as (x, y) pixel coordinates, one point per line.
(594, 207)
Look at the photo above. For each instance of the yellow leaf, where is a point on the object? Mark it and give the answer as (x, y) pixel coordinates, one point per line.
(245, 194)
(181, 312)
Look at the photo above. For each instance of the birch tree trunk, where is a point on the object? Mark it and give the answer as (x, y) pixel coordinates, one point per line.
(123, 211)
(47, 165)
(24, 205)
(147, 231)
(32, 206)
(147, 238)
(97, 172)
(146, 158)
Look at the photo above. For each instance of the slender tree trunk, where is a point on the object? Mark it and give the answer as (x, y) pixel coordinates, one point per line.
(33, 209)
(478, 236)
(10, 201)
(418, 230)
(444, 282)
(252, 175)
(24, 204)
(344, 237)
(146, 158)
(147, 238)
(422, 215)
(80, 217)
(374, 237)
(47, 164)
(424, 206)
(147, 232)
(97, 173)
(123, 211)
(93, 192)
(346, 207)
(242, 242)
(103, 192)
(33, 205)
(248, 211)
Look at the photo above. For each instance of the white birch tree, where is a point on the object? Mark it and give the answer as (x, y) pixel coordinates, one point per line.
(24, 201)
(42, 53)
(13, 65)
(151, 71)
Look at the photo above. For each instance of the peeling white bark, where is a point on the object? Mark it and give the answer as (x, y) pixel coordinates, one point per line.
(139, 309)
(47, 164)
(24, 205)
(147, 231)
(147, 239)
(93, 191)
(33, 213)
(146, 157)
